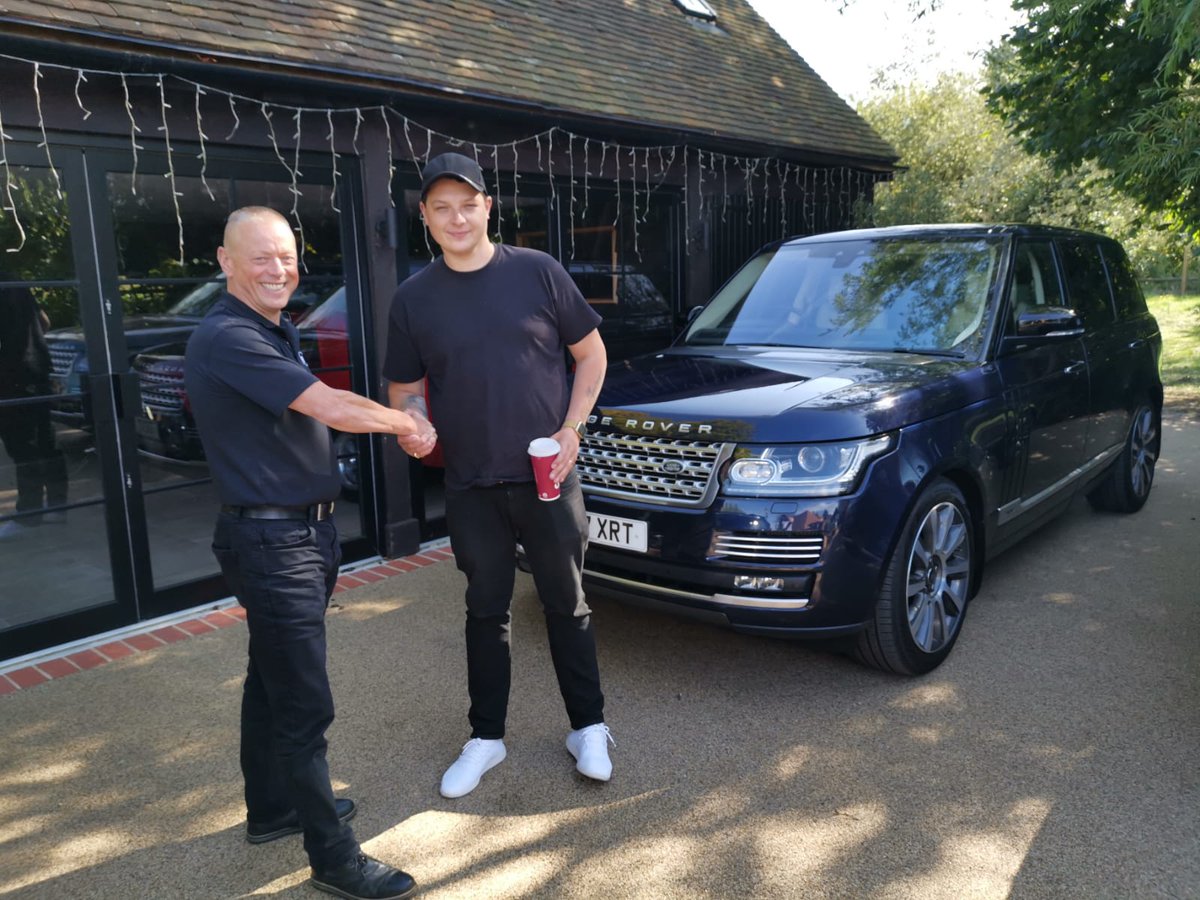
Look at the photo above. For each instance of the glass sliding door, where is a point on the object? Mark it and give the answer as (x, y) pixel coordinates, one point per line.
(106, 501)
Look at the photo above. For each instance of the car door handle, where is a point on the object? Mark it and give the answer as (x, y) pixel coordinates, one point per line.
(1136, 344)
(1074, 368)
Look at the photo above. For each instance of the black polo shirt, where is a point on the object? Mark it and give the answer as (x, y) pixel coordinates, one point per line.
(242, 372)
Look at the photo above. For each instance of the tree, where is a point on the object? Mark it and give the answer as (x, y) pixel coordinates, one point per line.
(961, 165)
(1115, 82)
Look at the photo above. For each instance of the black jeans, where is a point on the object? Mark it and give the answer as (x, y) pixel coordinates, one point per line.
(485, 525)
(41, 469)
(283, 573)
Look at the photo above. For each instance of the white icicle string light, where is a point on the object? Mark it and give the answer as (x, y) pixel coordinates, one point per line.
(499, 204)
(333, 157)
(646, 166)
(687, 228)
(749, 184)
(387, 129)
(633, 184)
(724, 186)
(783, 217)
(633, 188)
(8, 189)
(134, 130)
(203, 155)
(412, 154)
(237, 122)
(587, 165)
(175, 195)
(516, 185)
(766, 199)
(837, 200)
(571, 210)
(550, 166)
(358, 120)
(37, 93)
(87, 113)
(296, 192)
(617, 178)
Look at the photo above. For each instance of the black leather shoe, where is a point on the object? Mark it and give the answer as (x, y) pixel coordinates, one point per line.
(364, 878)
(261, 832)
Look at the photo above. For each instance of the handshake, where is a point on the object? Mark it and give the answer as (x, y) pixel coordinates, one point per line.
(420, 442)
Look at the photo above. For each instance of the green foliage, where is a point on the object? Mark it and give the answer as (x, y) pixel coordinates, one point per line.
(963, 166)
(1112, 82)
(1179, 320)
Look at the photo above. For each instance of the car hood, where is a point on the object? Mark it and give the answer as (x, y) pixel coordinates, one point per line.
(140, 331)
(783, 395)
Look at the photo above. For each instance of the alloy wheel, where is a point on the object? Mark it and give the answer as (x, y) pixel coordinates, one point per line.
(939, 569)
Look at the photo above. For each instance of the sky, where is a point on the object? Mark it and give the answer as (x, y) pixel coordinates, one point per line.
(847, 49)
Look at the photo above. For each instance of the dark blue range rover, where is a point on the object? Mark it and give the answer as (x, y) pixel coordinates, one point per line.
(856, 421)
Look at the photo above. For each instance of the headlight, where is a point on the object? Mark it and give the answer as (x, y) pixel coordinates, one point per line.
(801, 470)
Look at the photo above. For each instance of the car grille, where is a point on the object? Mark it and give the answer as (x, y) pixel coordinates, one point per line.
(161, 393)
(670, 471)
(62, 356)
(785, 547)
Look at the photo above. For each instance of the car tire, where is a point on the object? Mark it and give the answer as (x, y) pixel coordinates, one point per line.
(345, 448)
(1130, 478)
(926, 586)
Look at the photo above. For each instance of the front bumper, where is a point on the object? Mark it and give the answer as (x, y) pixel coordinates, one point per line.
(688, 566)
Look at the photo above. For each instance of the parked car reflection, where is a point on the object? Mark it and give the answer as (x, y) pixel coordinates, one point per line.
(68, 351)
(165, 425)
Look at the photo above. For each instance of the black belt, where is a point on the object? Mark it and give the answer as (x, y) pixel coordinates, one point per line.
(315, 513)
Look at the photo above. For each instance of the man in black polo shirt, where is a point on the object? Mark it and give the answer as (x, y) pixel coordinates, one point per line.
(486, 326)
(264, 420)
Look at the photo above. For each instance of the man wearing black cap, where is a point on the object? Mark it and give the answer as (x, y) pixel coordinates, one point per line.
(264, 420)
(485, 327)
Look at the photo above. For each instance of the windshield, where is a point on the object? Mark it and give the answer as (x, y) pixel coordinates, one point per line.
(920, 295)
(200, 300)
(330, 314)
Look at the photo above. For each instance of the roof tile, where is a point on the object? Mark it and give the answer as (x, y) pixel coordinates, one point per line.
(639, 61)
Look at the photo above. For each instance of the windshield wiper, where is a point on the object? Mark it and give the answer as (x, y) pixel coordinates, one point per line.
(952, 354)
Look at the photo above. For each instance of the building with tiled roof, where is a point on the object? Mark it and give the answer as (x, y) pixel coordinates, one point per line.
(651, 145)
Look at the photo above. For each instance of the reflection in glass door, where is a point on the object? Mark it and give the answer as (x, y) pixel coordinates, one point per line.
(57, 559)
(106, 504)
(163, 299)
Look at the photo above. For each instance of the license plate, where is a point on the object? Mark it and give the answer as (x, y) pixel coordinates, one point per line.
(613, 531)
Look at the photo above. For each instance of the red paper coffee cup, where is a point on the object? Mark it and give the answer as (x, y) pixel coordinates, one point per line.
(541, 453)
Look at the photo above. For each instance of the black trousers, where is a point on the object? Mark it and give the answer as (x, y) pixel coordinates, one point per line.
(41, 469)
(485, 524)
(283, 573)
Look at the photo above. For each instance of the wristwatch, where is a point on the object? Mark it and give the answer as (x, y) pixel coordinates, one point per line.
(580, 428)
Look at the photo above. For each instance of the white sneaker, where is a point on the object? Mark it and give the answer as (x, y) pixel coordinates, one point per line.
(589, 746)
(478, 755)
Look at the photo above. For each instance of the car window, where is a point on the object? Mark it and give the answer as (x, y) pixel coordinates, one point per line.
(1035, 281)
(926, 294)
(1087, 282)
(1127, 293)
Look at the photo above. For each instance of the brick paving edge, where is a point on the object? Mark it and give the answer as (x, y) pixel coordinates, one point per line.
(104, 648)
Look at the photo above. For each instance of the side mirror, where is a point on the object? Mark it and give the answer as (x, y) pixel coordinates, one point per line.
(1049, 322)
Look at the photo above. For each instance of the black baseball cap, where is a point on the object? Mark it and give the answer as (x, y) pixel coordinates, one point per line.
(452, 165)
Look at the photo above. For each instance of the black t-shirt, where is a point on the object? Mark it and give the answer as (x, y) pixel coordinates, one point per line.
(491, 345)
(242, 372)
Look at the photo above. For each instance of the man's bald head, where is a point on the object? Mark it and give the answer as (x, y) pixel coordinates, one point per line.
(246, 214)
(259, 259)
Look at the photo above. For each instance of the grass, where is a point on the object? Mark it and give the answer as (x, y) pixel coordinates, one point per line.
(1179, 320)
